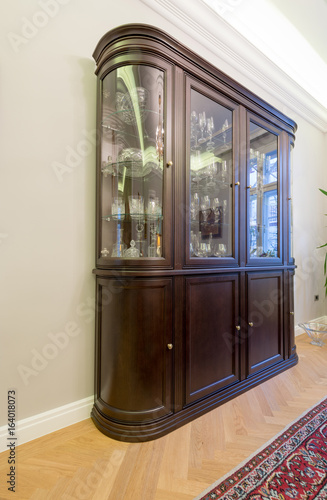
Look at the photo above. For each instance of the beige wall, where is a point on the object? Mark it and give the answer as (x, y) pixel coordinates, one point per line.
(47, 221)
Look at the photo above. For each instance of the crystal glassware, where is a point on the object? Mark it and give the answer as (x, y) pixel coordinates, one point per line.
(195, 206)
(118, 249)
(132, 252)
(136, 206)
(202, 125)
(205, 207)
(132, 105)
(118, 209)
(153, 209)
(212, 171)
(316, 331)
(210, 129)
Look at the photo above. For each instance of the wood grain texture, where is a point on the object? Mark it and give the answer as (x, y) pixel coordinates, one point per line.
(79, 462)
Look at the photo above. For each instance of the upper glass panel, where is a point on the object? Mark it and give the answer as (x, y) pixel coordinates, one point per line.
(211, 174)
(263, 190)
(132, 156)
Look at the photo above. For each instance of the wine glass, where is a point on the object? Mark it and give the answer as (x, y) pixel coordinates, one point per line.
(194, 126)
(210, 129)
(202, 125)
(195, 205)
(212, 170)
(224, 128)
(205, 206)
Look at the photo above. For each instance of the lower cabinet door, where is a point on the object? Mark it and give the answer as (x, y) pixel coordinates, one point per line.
(134, 350)
(265, 319)
(212, 354)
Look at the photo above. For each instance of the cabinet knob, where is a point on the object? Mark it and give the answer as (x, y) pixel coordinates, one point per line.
(237, 183)
(170, 164)
(238, 327)
(249, 186)
(170, 346)
(292, 313)
(250, 323)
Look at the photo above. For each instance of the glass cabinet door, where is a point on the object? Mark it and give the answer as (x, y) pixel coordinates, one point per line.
(132, 156)
(263, 194)
(211, 218)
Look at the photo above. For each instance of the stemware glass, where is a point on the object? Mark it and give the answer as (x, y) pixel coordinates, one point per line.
(194, 130)
(205, 206)
(210, 129)
(202, 124)
(195, 205)
(212, 171)
(224, 128)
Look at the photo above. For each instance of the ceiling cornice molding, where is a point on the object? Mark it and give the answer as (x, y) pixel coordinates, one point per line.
(197, 20)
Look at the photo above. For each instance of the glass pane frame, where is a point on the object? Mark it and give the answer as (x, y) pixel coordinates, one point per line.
(164, 259)
(222, 260)
(273, 188)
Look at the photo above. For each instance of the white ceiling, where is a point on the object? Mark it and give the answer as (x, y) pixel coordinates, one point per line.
(292, 34)
(279, 45)
(309, 17)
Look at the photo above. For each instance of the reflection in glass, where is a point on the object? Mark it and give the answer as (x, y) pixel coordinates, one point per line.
(211, 167)
(132, 157)
(263, 193)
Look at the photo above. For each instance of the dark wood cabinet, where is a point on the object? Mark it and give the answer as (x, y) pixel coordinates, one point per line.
(193, 248)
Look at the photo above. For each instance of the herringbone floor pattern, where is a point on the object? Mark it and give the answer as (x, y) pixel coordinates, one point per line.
(78, 462)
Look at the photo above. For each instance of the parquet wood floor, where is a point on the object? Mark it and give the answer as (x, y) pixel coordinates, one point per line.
(78, 462)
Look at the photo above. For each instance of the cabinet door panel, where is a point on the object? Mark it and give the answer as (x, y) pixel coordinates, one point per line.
(265, 320)
(134, 186)
(135, 367)
(264, 194)
(211, 337)
(211, 131)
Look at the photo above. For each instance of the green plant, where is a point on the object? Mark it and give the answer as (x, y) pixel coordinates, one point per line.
(325, 245)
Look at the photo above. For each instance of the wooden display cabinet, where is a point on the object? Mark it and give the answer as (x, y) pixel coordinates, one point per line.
(193, 249)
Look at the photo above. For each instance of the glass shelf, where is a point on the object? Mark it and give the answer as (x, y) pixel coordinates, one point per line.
(134, 218)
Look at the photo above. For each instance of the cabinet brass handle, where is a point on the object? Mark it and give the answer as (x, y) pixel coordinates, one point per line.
(291, 313)
(238, 327)
(170, 164)
(250, 323)
(249, 186)
(237, 183)
(170, 346)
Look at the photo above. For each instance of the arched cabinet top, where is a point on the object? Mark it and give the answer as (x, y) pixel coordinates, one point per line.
(135, 40)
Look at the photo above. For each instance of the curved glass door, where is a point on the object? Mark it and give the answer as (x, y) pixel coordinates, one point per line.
(263, 194)
(211, 177)
(132, 157)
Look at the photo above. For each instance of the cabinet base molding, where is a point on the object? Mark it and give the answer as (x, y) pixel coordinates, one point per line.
(134, 433)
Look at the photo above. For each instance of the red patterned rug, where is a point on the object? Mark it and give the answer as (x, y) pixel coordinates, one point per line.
(292, 465)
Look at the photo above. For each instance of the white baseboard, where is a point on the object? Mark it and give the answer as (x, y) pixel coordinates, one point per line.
(299, 330)
(47, 422)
